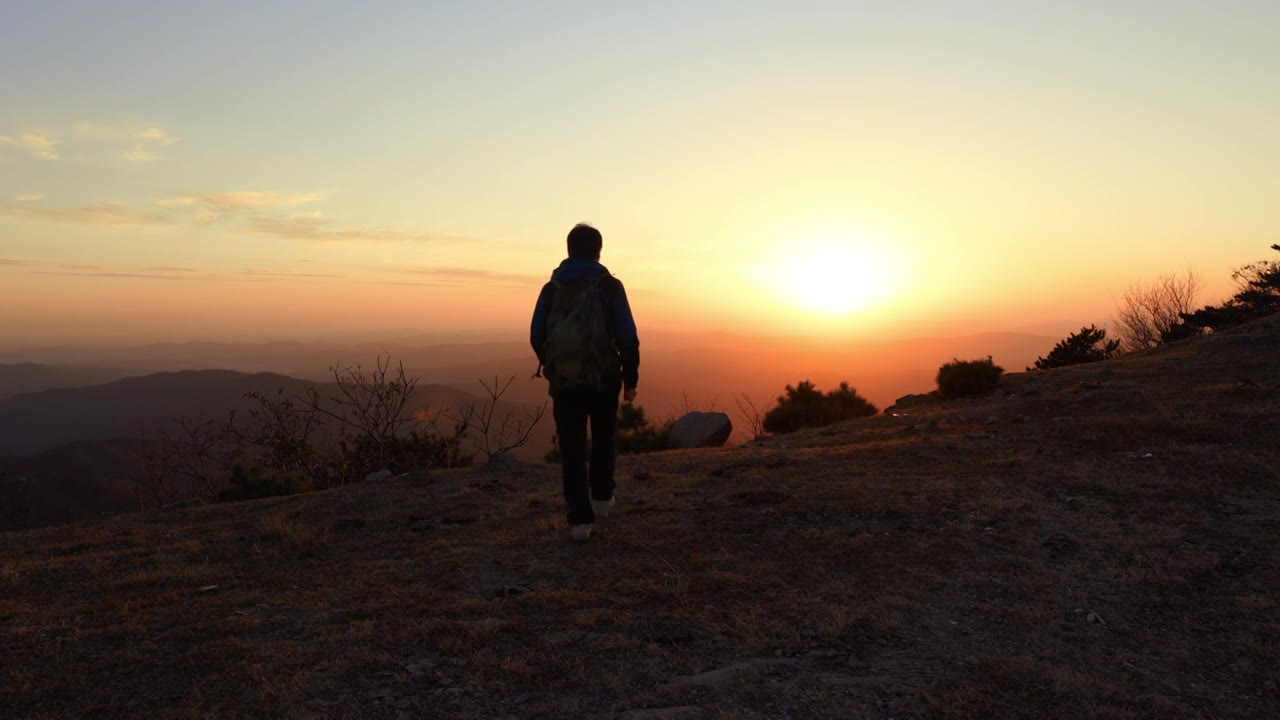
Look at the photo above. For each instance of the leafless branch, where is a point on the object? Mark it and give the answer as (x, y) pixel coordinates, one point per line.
(494, 433)
(753, 414)
(1147, 312)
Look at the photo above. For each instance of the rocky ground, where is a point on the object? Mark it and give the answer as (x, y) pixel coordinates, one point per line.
(1097, 542)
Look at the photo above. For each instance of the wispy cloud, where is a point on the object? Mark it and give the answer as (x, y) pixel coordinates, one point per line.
(470, 276)
(49, 267)
(142, 142)
(14, 262)
(99, 214)
(40, 145)
(30, 197)
(208, 208)
(120, 274)
(258, 272)
(320, 228)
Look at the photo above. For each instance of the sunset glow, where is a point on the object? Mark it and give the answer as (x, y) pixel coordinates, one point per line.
(901, 168)
(832, 277)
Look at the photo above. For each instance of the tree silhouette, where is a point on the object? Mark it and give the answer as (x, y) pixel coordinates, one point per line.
(1088, 345)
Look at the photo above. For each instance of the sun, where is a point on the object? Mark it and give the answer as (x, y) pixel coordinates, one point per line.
(835, 276)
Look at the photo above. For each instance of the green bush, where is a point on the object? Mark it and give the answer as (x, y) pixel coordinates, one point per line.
(804, 406)
(1087, 346)
(967, 378)
(250, 483)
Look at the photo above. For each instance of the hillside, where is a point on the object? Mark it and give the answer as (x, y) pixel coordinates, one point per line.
(18, 378)
(139, 406)
(1096, 542)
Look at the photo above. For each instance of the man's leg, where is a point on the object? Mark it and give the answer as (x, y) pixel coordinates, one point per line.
(570, 412)
(604, 426)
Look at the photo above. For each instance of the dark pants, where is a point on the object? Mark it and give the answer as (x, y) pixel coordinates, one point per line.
(573, 411)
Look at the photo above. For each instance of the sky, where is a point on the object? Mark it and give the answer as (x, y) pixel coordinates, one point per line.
(196, 170)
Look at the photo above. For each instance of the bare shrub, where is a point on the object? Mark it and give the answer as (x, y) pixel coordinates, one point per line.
(193, 458)
(753, 414)
(328, 435)
(1148, 312)
(493, 432)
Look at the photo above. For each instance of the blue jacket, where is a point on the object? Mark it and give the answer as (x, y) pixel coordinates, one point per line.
(617, 315)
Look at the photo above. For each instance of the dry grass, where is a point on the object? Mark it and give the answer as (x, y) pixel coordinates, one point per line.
(970, 560)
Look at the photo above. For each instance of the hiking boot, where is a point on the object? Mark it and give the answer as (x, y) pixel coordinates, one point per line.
(602, 508)
(580, 533)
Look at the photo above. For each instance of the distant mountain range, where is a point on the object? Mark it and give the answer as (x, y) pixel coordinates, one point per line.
(675, 365)
(78, 427)
(18, 378)
(142, 406)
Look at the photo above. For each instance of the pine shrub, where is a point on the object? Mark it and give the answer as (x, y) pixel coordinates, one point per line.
(968, 378)
(804, 406)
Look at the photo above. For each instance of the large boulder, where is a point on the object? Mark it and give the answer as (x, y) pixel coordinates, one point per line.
(699, 429)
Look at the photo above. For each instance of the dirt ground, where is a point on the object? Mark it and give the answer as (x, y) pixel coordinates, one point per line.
(1090, 542)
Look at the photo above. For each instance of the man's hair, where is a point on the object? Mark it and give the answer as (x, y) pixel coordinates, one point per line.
(585, 242)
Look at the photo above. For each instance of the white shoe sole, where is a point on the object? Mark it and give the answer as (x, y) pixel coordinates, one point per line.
(603, 508)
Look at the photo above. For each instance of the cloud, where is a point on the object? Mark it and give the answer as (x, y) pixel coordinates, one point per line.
(13, 262)
(257, 272)
(471, 276)
(99, 214)
(142, 141)
(30, 197)
(139, 142)
(49, 267)
(211, 207)
(36, 144)
(121, 274)
(320, 228)
(139, 154)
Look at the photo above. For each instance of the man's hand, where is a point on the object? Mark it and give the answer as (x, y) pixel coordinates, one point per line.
(629, 395)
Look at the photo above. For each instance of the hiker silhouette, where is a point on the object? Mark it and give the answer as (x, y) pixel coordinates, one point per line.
(589, 351)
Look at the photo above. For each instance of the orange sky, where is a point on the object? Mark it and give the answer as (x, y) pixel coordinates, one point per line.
(813, 168)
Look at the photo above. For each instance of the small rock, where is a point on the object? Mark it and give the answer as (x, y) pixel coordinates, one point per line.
(1031, 389)
(1095, 619)
(510, 591)
(379, 476)
(683, 712)
(725, 675)
(207, 589)
(699, 429)
(503, 461)
(415, 476)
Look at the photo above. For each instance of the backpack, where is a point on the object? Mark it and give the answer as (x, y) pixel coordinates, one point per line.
(579, 353)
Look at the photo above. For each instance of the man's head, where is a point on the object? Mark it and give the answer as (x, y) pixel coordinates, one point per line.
(585, 242)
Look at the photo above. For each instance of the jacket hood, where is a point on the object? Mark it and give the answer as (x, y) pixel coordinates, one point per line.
(578, 269)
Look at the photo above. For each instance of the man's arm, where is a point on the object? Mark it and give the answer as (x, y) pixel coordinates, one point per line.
(538, 327)
(627, 339)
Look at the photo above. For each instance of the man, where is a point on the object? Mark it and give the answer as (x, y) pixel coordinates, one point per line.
(588, 349)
